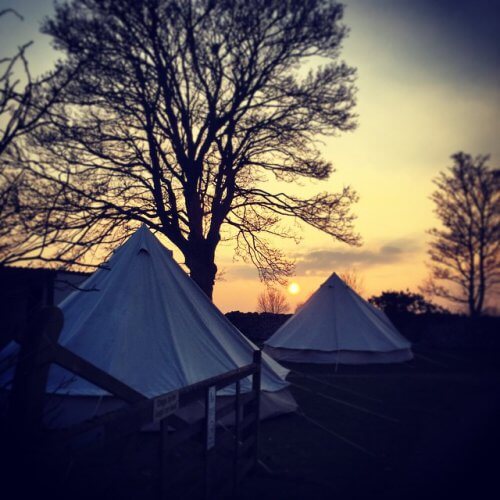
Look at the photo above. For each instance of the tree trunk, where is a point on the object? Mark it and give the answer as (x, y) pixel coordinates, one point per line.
(202, 268)
(481, 275)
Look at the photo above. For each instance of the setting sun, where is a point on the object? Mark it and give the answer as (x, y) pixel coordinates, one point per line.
(294, 288)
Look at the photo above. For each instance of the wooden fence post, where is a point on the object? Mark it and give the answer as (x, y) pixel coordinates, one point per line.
(237, 437)
(27, 394)
(164, 465)
(210, 424)
(27, 398)
(256, 378)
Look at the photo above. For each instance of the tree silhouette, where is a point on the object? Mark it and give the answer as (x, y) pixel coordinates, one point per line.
(272, 301)
(181, 113)
(26, 104)
(352, 278)
(464, 251)
(395, 303)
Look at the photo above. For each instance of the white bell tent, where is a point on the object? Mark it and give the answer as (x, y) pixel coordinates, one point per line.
(336, 325)
(141, 319)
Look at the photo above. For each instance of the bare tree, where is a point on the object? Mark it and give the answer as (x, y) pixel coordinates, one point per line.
(353, 280)
(464, 251)
(272, 301)
(300, 305)
(181, 114)
(25, 105)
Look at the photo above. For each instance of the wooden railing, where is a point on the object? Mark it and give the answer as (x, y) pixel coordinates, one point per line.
(225, 446)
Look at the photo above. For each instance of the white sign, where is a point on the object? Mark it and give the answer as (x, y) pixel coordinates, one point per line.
(211, 417)
(163, 406)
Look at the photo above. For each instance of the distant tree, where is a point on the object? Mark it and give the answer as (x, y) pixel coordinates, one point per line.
(395, 303)
(300, 305)
(272, 301)
(464, 252)
(352, 279)
(181, 114)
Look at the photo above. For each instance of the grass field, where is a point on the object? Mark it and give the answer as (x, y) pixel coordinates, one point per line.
(429, 428)
(426, 429)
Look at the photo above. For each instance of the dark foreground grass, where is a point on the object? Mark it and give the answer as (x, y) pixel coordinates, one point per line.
(424, 429)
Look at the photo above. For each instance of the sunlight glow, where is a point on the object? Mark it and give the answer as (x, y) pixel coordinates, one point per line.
(293, 288)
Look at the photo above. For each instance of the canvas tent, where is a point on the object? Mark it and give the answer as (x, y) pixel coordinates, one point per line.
(141, 319)
(336, 325)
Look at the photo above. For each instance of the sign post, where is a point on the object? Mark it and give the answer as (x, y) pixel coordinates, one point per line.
(211, 400)
(165, 405)
(210, 414)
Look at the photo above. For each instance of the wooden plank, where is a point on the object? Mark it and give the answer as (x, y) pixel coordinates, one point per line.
(95, 375)
(125, 421)
(141, 414)
(144, 409)
(196, 391)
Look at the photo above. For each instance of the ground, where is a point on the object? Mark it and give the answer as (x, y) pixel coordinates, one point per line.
(425, 429)
(428, 428)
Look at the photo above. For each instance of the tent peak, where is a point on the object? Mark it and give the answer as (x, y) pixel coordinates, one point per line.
(148, 238)
(332, 280)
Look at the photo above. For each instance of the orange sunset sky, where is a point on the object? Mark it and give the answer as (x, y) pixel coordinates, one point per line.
(428, 80)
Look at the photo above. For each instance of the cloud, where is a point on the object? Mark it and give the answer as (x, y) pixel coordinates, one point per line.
(391, 250)
(319, 261)
(239, 271)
